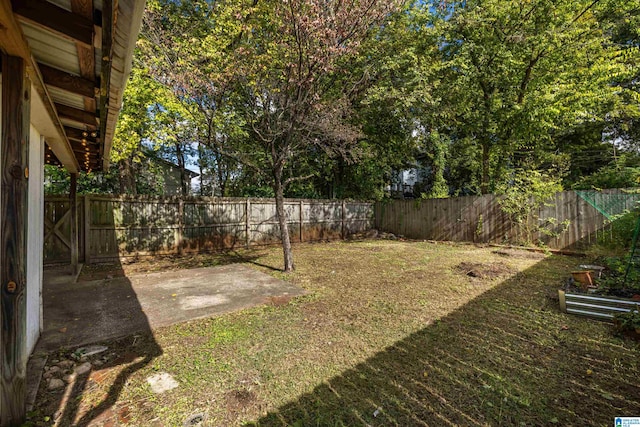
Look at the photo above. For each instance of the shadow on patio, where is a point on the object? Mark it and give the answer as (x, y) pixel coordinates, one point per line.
(92, 312)
(120, 312)
(508, 357)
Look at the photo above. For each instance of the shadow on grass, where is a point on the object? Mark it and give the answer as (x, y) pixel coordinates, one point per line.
(176, 262)
(509, 357)
(249, 259)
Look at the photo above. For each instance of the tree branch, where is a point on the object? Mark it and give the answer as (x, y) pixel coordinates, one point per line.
(297, 178)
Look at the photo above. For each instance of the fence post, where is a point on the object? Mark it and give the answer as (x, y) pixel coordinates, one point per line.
(343, 217)
(73, 206)
(247, 222)
(301, 219)
(87, 229)
(180, 225)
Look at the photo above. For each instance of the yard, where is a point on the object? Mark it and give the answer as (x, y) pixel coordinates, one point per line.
(390, 333)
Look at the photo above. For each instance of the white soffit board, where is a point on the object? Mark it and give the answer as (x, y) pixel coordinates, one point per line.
(43, 123)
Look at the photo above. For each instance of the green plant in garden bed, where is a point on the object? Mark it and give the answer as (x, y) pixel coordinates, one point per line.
(613, 281)
(629, 321)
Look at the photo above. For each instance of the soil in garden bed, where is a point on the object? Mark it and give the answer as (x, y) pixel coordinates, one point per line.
(574, 287)
(625, 293)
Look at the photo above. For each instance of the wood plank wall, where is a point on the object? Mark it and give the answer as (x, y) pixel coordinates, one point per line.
(479, 219)
(129, 226)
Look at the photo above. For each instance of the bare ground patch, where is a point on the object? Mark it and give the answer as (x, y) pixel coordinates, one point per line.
(520, 253)
(492, 270)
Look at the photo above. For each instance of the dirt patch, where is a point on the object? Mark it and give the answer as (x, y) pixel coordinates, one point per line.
(124, 415)
(239, 400)
(100, 272)
(491, 270)
(107, 371)
(128, 266)
(279, 301)
(519, 254)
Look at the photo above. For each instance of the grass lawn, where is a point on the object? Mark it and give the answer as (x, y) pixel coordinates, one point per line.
(390, 333)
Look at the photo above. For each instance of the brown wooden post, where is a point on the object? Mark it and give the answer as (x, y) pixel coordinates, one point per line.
(73, 200)
(87, 229)
(247, 222)
(180, 238)
(344, 205)
(301, 220)
(13, 237)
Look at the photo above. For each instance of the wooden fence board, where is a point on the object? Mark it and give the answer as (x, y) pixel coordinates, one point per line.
(131, 226)
(128, 226)
(481, 219)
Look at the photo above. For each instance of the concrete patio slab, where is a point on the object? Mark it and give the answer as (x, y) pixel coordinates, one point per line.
(80, 313)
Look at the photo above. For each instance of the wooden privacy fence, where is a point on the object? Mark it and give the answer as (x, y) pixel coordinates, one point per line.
(571, 220)
(110, 227)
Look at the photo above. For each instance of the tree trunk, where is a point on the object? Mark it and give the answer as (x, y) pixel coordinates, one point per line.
(485, 140)
(122, 176)
(127, 180)
(220, 173)
(484, 184)
(282, 220)
(201, 168)
(184, 185)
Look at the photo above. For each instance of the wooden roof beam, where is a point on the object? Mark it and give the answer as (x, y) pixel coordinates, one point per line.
(76, 115)
(79, 134)
(86, 55)
(68, 82)
(81, 153)
(126, 16)
(68, 24)
(13, 43)
(105, 75)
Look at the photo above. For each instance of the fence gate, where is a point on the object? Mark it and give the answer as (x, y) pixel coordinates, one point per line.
(57, 230)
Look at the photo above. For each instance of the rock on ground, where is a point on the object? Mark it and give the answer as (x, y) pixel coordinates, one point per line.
(83, 369)
(162, 382)
(55, 383)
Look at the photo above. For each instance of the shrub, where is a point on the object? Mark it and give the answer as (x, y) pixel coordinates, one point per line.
(611, 176)
(523, 196)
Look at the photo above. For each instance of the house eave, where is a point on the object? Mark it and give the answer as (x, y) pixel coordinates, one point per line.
(128, 18)
(78, 55)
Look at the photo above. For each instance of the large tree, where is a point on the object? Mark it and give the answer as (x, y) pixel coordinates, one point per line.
(296, 82)
(502, 79)
(190, 47)
(277, 69)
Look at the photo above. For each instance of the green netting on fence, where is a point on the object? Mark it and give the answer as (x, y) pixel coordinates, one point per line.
(610, 204)
(614, 203)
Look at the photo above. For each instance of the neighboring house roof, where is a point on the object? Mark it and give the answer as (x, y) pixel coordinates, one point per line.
(78, 55)
(167, 163)
(154, 156)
